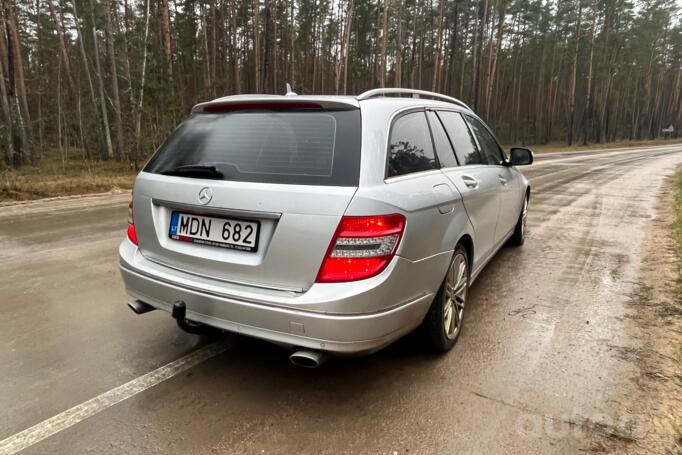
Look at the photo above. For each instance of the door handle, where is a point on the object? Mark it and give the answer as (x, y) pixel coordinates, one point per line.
(470, 182)
(503, 180)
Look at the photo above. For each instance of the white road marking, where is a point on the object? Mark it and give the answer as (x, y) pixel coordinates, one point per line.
(70, 417)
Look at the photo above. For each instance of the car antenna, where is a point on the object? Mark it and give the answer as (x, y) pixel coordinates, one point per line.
(290, 92)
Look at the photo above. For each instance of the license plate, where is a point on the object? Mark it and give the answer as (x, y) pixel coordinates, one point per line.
(221, 232)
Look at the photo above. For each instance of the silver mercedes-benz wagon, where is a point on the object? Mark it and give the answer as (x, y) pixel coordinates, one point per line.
(328, 224)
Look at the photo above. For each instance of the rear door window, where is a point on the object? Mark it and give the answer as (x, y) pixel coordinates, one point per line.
(410, 146)
(460, 136)
(292, 147)
(446, 156)
(492, 151)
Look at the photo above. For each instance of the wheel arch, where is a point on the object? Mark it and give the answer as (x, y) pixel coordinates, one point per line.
(468, 244)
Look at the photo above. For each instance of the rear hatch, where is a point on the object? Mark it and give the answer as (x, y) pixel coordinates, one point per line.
(250, 192)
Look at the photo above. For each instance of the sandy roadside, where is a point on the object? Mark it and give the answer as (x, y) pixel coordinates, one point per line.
(74, 202)
(655, 397)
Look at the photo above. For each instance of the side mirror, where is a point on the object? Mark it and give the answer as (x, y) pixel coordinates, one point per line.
(520, 156)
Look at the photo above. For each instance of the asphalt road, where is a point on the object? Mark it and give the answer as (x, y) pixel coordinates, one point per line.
(538, 358)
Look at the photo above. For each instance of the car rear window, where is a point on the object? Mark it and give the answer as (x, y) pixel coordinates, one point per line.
(293, 147)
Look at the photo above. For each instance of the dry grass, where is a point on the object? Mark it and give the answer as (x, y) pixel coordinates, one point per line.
(53, 176)
(677, 234)
(561, 147)
(677, 444)
(677, 304)
(677, 227)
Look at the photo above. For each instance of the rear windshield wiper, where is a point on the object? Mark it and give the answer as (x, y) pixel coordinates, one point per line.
(198, 171)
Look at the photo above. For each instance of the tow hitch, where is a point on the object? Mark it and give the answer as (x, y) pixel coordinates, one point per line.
(179, 312)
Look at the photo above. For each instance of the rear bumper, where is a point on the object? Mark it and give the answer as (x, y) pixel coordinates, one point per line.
(286, 317)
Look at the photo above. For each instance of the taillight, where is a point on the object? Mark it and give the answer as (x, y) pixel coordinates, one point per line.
(361, 248)
(262, 105)
(132, 235)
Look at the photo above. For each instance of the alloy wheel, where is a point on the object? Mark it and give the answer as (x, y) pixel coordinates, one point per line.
(456, 287)
(524, 215)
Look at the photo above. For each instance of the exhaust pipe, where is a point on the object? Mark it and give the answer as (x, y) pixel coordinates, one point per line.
(307, 358)
(140, 307)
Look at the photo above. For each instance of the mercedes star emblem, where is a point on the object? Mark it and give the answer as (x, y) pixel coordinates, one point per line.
(205, 195)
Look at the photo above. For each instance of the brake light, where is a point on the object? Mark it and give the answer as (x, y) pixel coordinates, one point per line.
(262, 105)
(132, 235)
(361, 248)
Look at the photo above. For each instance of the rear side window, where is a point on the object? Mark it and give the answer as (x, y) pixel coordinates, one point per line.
(489, 146)
(410, 146)
(306, 148)
(462, 141)
(446, 156)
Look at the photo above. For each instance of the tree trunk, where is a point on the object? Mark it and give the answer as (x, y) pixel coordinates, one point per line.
(273, 64)
(208, 80)
(342, 62)
(39, 70)
(113, 73)
(462, 69)
(100, 82)
(588, 96)
(268, 46)
(647, 93)
(62, 46)
(479, 63)
(384, 39)
(233, 47)
(165, 25)
(124, 25)
(346, 45)
(292, 47)
(4, 97)
(256, 45)
(453, 52)
(553, 80)
(69, 76)
(18, 138)
(439, 48)
(634, 117)
(140, 98)
(490, 79)
(398, 74)
(317, 38)
(27, 127)
(86, 67)
(571, 90)
(415, 49)
(474, 57)
(214, 49)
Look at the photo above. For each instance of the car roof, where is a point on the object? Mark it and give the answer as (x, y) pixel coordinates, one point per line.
(400, 103)
(389, 98)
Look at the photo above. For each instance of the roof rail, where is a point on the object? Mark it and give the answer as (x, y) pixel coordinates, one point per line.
(408, 91)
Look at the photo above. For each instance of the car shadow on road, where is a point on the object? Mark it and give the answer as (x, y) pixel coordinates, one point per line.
(406, 356)
(253, 390)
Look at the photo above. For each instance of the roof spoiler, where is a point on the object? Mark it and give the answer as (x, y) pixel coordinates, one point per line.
(275, 102)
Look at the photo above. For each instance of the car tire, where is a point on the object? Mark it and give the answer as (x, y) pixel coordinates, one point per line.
(443, 323)
(519, 236)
